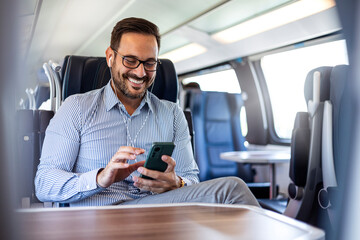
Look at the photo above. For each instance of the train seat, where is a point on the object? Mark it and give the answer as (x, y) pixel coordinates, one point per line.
(29, 138)
(305, 164)
(214, 134)
(216, 118)
(332, 158)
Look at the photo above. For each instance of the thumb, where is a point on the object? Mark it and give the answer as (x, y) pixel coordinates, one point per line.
(136, 165)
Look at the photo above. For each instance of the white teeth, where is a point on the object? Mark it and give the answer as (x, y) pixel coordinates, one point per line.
(135, 81)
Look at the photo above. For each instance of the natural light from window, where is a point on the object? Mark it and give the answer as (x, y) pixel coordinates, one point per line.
(285, 75)
(222, 81)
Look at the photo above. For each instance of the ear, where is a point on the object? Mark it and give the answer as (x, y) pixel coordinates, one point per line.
(109, 56)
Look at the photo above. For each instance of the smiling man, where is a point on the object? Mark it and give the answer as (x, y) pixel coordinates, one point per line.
(94, 148)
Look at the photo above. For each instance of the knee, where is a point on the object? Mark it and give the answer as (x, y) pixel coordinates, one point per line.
(230, 184)
(235, 183)
(237, 191)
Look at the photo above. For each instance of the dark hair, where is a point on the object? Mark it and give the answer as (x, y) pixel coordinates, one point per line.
(136, 25)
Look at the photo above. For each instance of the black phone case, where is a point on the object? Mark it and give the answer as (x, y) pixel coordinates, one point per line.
(153, 160)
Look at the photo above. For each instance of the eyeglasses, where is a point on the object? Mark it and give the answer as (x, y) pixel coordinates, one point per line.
(133, 63)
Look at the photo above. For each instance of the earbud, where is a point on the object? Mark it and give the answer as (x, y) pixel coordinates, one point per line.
(110, 61)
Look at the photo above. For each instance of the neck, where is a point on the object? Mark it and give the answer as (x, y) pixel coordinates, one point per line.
(130, 104)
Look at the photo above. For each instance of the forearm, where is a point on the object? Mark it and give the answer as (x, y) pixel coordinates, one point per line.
(55, 185)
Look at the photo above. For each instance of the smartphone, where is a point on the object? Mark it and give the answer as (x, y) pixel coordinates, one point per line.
(153, 160)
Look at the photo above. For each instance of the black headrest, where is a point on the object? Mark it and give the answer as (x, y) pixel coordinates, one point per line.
(324, 84)
(166, 85)
(300, 146)
(83, 74)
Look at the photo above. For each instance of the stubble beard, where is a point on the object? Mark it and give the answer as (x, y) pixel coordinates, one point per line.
(120, 84)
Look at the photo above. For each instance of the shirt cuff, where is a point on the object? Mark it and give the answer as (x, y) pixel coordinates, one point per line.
(87, 181)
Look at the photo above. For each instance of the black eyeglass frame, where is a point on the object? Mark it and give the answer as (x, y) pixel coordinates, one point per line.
(158, 62)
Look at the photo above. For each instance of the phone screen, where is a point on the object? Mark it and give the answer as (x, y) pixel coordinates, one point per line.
(153, 160)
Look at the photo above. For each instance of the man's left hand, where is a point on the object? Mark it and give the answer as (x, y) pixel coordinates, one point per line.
(163, 181)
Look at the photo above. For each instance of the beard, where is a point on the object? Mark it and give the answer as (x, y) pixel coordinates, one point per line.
(120, 82)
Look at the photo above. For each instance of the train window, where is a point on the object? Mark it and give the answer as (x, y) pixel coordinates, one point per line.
(285, 74)
(220, 81)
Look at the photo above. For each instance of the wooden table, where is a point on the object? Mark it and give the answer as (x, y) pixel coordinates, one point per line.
(270, 157)
(169, 221)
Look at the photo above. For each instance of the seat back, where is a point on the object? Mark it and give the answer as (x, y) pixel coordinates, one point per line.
(305, 164)
(83, 74)
(331, 157)
(30, 135)
(217, 128)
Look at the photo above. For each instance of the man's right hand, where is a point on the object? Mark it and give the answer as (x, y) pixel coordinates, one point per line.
(117, 169)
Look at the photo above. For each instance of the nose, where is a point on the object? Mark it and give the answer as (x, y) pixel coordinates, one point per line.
(140, 71)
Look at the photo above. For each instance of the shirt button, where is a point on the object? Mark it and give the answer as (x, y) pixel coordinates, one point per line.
(88, 187)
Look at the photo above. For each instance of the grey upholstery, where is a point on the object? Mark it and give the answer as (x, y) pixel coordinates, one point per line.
(331, 156)
(305, 164)
(30, 135)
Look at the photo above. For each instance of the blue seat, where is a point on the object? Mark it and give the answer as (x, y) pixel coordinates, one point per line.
(216, 118)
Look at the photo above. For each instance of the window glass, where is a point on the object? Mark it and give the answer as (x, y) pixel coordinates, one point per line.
(285, 75)
(221, 81)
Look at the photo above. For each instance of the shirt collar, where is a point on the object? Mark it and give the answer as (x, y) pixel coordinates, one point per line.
(111, 99)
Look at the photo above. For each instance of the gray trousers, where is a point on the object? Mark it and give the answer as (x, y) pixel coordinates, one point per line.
(227, 190)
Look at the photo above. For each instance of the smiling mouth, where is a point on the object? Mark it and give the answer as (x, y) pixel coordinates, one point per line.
(135, 81)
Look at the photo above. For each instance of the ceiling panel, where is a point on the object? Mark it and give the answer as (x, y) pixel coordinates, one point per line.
(160, 12)
(172, 41)
(81, 21)
(234, 12)
(26, 7)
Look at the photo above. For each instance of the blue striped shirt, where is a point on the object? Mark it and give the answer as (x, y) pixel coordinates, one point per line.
(87, 131)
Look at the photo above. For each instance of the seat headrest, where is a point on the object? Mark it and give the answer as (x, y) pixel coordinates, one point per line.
(83, 74)
(337, 79)
(166, 84)
(324, 84)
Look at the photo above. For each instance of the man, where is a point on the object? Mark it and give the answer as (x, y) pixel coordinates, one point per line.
(94, 147)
